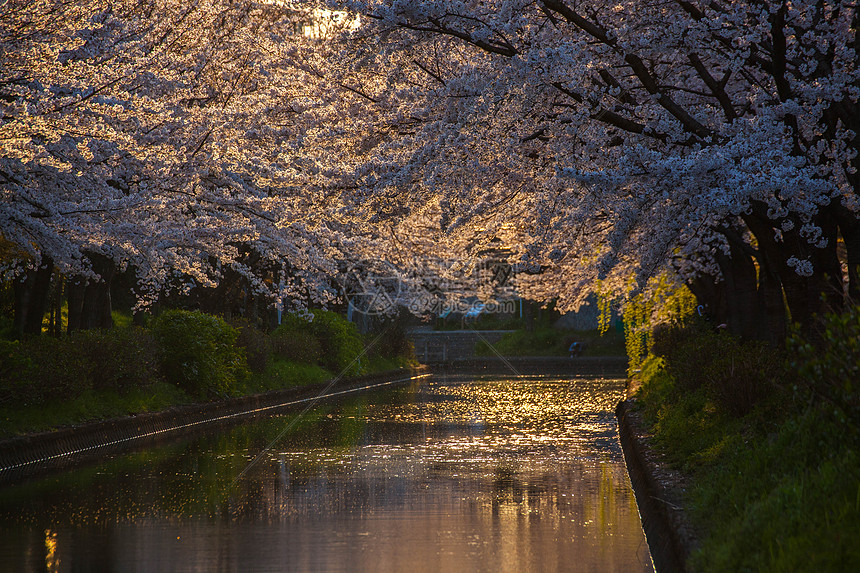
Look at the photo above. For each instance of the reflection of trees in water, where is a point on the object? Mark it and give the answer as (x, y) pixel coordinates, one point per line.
(482, 470)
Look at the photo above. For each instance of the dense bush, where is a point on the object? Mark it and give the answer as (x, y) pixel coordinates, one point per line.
(390, 339)
(736, 374)
(829, 367)
(47, 382)
(256, 345)
(199, 353)
(340, 342)
(117, 359)
(295, 345)
(776, 489)
(39, 369)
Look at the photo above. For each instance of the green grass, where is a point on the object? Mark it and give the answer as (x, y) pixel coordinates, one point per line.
(48, 382)
(775, 490)
(554, 342)
(95, 405)
(91, 406)
(281, 374)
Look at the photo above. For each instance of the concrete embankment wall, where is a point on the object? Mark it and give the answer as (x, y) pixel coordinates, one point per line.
(445, 346)
(659, 494)
(590, 366)
(29, 455)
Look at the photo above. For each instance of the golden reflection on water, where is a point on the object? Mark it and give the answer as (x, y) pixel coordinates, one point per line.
(52, 563)
(451, 475)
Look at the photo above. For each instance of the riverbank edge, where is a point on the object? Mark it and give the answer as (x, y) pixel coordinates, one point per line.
(659, 493)
(33, 454)
(591, 366)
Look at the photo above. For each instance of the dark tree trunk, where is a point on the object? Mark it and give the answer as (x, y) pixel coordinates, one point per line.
(849, 227)
(743, 304)
(75, 288)
(56, 306)
(801, 295)
(774, 326)
(31, 298)
(96, 312)
(89, 299)
(710, 295)
(827, 284)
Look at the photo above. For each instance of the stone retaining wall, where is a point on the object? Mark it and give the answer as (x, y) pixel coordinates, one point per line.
(659, 494)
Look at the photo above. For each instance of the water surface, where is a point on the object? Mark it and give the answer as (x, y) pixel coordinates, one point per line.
(451, 474)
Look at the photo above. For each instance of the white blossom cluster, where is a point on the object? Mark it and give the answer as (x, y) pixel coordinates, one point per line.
(167, 136)
(603, 140)
(588, 141)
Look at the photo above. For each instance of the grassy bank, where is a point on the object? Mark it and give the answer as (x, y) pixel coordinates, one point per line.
(182, 357)
(770, 442)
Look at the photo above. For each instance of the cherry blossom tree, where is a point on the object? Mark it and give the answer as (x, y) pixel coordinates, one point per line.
(614, 142)
(164, 137)
(598, 143)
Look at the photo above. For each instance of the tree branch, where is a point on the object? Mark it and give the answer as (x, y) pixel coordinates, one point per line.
(717, 88)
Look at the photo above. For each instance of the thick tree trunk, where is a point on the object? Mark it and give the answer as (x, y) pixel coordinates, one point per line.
(75, 288)
(741, 295)
(710, 295)
(748, 300)
(89, 299)
(55, 315)
(31, 298)
(773, 328)
(849, 227)
(774, 255)
(827, 284)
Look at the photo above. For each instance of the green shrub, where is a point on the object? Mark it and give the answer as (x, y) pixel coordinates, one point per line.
(117, 359)
(255, 343)
(43, 368)
(736, 374)
(776, 490)
(341, 344)
(390, 339)
(199, 353)
(295, 345)
(684, 348)
(829, 368)
(13, 363)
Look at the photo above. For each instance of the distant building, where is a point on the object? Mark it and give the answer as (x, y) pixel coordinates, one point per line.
(586, 318)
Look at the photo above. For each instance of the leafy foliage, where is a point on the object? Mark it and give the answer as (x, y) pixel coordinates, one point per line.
(199, 353)
(41, 369)
(828, 366)
(774, 490)
(257, 346)
(295, 345)
(340, 344)
(736, 374)
(47, 382)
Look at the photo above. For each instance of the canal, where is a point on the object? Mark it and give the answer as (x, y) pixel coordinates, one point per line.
(453, 473)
